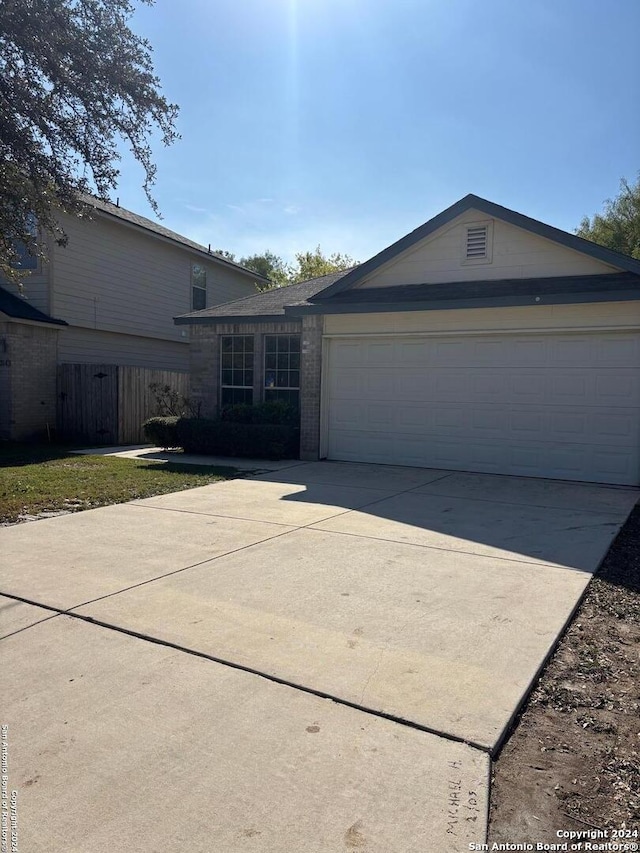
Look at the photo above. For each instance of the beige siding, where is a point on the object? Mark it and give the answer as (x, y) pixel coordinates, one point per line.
(34, 288)
(516, 254)
(594, 315)
(116, 278)
(90, 346)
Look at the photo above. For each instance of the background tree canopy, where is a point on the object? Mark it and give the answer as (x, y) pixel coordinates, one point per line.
(618, 227)
(74, 80)
(308, 265)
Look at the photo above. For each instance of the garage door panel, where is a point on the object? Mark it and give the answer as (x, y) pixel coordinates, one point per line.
(619, 387)
(577, 425)
(573, 417)
(618, 351)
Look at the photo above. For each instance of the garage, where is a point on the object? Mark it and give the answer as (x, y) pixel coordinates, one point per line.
(556, 405)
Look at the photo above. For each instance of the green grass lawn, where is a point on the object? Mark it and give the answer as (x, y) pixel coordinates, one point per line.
(35, 478)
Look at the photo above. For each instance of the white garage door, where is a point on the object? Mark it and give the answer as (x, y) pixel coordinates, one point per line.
(560, 406)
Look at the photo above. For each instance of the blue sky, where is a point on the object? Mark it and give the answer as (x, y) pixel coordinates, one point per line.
(350, 122)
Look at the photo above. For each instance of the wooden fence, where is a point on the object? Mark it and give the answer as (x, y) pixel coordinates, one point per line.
(107, 403)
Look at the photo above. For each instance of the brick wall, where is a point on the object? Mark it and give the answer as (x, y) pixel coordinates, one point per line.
(28, 356)
(311, 372)
(204, 353)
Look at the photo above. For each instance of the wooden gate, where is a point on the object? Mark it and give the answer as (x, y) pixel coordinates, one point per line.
(88, 403)
(107, 404)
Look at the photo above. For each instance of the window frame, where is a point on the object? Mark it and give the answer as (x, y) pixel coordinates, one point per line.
(271, 391)
(247, 389)
(196, 265)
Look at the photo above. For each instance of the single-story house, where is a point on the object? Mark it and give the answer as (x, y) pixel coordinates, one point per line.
(482, 341)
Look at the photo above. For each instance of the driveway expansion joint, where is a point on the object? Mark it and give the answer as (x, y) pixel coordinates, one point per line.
(274, 679)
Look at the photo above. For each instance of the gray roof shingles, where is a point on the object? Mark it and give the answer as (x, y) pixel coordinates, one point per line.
(148, 225)
(270, 303)
(18, 308)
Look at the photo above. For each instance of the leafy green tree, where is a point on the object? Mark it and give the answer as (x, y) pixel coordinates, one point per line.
(270, 265)
(74, 80)
(308, 265)
(618, 227)
(314, 264)
(229, 256)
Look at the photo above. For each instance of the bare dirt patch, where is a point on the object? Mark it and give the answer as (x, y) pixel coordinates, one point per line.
(573, 760)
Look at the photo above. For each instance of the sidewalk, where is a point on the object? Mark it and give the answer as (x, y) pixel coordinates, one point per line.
(177, 457)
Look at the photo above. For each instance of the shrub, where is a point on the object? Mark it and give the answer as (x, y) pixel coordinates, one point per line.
(169, 402)
(248, 440)
(269, 412)
(162, 432)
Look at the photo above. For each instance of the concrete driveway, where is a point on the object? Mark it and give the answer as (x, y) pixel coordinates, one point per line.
(319, 658)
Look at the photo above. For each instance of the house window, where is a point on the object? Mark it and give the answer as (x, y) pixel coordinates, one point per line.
(282, 368)
(236, 369)
(198, 287)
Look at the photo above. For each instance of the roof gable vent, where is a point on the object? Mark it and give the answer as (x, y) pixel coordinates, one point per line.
(477, 239)
(476, 242)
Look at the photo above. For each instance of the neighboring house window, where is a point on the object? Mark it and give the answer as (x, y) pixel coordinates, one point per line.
(26, 261)
(282, 368)
(198, 287)
(236, 369)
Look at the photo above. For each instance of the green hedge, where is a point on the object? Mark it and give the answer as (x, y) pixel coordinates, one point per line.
(269, 412)
(162, 432)
(248, 440)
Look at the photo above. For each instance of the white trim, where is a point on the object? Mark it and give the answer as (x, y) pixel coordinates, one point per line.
(450, 333)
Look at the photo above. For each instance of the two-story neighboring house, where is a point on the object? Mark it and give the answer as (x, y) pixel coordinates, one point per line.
(107, 298)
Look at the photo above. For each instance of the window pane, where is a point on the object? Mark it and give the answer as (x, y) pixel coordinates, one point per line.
(199, 298)
(283, 361)
(270, 379)
(283, 379)
(294, 379)
(294, 361)
(236, 366)
(198, 276)
(26, 261)
(295, 343)
(269, 343)
(233, 396)
(270, 361)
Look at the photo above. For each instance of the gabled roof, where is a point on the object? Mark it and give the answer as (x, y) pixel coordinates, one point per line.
(268, 305)
(18, 308)
(496, 211)
(491, 293)
(160, 231)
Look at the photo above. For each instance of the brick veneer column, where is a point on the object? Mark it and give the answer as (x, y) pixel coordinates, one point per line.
(311, 371)
(204, 355)
(31, 352)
